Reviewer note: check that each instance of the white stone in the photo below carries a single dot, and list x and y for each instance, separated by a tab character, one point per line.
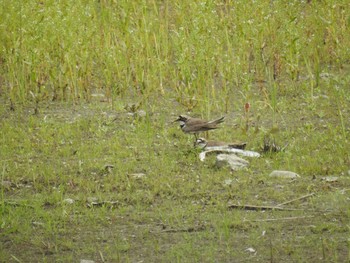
141	113
232	160
217	150
284	174
68	201
92	199
330	179
228	182
138	175
251	250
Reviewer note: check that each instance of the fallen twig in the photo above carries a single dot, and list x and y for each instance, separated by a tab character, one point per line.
16	259
256	207
279	219
101	255
189	229
296	199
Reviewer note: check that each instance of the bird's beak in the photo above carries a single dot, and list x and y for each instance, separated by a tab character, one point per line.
178	119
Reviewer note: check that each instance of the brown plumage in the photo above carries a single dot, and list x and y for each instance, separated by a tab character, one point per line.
196	125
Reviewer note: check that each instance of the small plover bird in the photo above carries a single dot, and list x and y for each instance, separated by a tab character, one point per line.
196	125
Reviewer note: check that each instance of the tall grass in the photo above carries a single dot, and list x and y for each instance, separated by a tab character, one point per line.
195	52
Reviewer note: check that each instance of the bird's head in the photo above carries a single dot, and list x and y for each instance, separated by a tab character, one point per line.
201	143
182	118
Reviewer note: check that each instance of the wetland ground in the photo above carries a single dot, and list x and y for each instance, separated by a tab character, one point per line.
92	167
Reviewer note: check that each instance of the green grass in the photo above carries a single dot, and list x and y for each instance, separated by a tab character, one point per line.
179	210
68	72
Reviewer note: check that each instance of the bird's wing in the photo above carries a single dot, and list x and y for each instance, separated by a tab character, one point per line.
199	127
217	121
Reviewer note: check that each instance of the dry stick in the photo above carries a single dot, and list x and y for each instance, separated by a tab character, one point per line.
256	207
296	199
279	219
16	259
101	255
190	229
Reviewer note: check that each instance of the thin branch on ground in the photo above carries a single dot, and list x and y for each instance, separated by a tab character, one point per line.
296	199
101	255
257	207
189	229
279	219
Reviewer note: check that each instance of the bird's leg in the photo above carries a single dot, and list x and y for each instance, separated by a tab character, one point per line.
195	138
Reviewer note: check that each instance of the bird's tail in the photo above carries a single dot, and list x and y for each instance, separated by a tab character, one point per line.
222	119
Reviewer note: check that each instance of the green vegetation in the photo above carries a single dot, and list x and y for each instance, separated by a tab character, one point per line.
84	175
